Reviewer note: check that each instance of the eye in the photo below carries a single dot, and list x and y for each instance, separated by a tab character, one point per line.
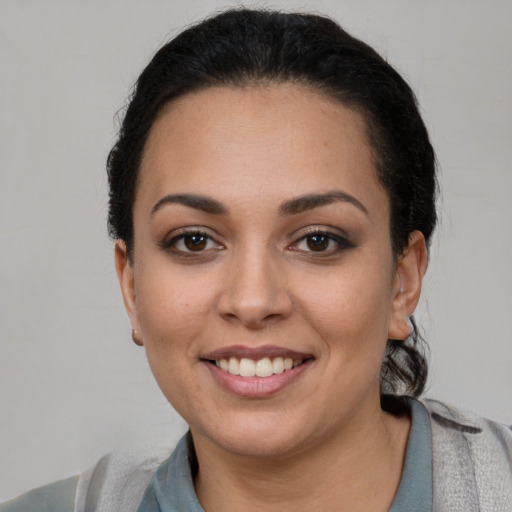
194	242
188	242
321	242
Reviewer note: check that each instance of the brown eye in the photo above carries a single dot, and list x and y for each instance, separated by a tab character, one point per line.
191	243
322	243
318	242
195	242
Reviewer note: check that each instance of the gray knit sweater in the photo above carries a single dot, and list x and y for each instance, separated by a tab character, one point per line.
472	461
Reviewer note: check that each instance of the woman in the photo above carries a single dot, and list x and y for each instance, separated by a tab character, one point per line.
272	198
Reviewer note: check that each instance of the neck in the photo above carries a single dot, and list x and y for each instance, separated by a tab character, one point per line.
357	469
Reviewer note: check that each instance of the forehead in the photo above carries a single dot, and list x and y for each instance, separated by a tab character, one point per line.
269	139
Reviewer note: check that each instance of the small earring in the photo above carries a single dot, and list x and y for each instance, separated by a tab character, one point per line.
136	339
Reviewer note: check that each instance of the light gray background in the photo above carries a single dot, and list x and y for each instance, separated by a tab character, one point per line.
73	386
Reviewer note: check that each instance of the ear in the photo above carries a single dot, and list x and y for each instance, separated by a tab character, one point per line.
125	275
410	269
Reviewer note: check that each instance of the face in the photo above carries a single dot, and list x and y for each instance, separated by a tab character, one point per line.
263	283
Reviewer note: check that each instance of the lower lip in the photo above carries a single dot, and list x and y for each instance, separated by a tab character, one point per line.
257	387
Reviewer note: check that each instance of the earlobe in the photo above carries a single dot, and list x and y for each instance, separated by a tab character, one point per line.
125	276
411	267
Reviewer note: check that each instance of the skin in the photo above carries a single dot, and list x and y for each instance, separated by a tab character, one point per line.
322	442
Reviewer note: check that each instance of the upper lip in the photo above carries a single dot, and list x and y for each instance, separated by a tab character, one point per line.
255	353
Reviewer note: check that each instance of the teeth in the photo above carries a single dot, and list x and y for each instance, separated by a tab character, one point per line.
264	367
278	365
247	368
233	366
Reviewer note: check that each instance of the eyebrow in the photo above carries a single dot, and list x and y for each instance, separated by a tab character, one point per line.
291	207
203	203
309	201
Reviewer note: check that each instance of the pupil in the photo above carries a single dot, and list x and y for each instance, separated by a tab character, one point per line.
318	242
195	242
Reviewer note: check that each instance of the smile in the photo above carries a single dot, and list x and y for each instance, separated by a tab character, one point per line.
263	367
256	372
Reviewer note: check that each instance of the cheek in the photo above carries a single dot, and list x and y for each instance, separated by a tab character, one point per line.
172	308
351	317
349	307
174	314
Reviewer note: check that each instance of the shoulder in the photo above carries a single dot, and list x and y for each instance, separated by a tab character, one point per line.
118	481
441	411
472	460
56	497
449	423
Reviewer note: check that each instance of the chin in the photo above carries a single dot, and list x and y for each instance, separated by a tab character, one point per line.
256	436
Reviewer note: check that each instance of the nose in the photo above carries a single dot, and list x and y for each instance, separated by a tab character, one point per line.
255	292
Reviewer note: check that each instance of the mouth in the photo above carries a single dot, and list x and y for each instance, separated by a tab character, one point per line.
263	367
256	372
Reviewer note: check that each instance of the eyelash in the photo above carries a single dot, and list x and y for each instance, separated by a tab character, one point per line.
341	242
172	243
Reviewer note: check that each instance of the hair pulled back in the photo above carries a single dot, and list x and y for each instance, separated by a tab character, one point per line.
241	47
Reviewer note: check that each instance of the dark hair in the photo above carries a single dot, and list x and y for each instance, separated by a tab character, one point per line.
239	47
